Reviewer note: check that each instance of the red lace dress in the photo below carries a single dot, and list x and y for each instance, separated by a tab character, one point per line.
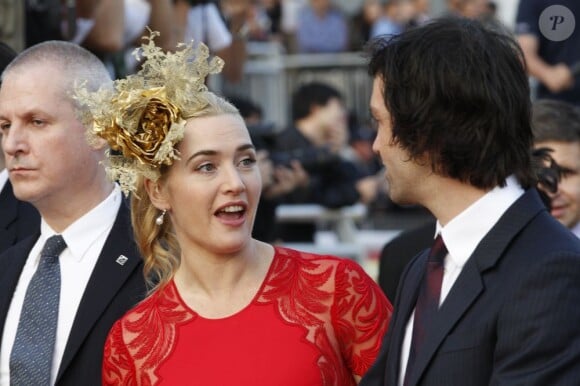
316	320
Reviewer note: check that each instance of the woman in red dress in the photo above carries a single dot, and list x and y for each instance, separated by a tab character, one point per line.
224	309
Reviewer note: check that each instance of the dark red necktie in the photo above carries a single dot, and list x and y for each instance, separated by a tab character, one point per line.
427	301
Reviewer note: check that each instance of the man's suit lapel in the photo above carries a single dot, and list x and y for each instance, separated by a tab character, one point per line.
454	306
469	284
12	262
107	278
404	306
9	214
18	219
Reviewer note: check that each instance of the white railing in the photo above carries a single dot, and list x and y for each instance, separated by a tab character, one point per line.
343	220
271	76
338	232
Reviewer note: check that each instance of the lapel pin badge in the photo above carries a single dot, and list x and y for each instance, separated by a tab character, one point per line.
121	260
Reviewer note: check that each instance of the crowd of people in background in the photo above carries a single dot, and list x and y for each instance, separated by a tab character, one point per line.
113	28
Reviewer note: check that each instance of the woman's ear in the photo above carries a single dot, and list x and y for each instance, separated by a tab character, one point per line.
156	194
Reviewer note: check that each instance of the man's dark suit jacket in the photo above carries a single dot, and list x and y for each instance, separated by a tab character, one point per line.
397	253
18	219
113	289
511	318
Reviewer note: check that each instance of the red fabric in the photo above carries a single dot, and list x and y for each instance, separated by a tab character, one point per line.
316	320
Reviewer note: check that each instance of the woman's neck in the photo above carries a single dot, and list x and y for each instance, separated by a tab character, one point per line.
218	286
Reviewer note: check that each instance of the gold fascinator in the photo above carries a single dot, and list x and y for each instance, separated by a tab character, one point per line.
142	117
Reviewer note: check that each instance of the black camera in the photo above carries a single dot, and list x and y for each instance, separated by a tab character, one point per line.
575	69
312	159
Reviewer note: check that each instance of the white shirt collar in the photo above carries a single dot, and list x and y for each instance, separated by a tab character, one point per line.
466	230
80	235
576	230
3	178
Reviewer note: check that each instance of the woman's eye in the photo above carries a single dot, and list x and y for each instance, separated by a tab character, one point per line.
206	168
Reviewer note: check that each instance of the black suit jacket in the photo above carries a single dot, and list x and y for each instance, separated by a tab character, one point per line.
397	253
18	219
111	291
511	318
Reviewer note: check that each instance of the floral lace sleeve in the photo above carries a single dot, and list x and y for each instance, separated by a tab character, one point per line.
118	366
143	339
360	314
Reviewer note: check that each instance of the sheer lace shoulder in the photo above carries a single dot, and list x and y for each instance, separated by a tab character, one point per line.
360	313
343	309
143	338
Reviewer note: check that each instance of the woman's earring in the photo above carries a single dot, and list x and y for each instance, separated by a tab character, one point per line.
159	220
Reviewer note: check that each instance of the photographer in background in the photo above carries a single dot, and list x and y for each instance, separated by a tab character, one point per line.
277	180
556	126
317	138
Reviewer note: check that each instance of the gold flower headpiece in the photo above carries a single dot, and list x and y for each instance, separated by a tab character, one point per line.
142	116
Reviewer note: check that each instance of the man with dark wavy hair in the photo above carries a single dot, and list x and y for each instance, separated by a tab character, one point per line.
496	299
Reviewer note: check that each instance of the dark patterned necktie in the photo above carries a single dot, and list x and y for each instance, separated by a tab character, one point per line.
31	357
427	301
